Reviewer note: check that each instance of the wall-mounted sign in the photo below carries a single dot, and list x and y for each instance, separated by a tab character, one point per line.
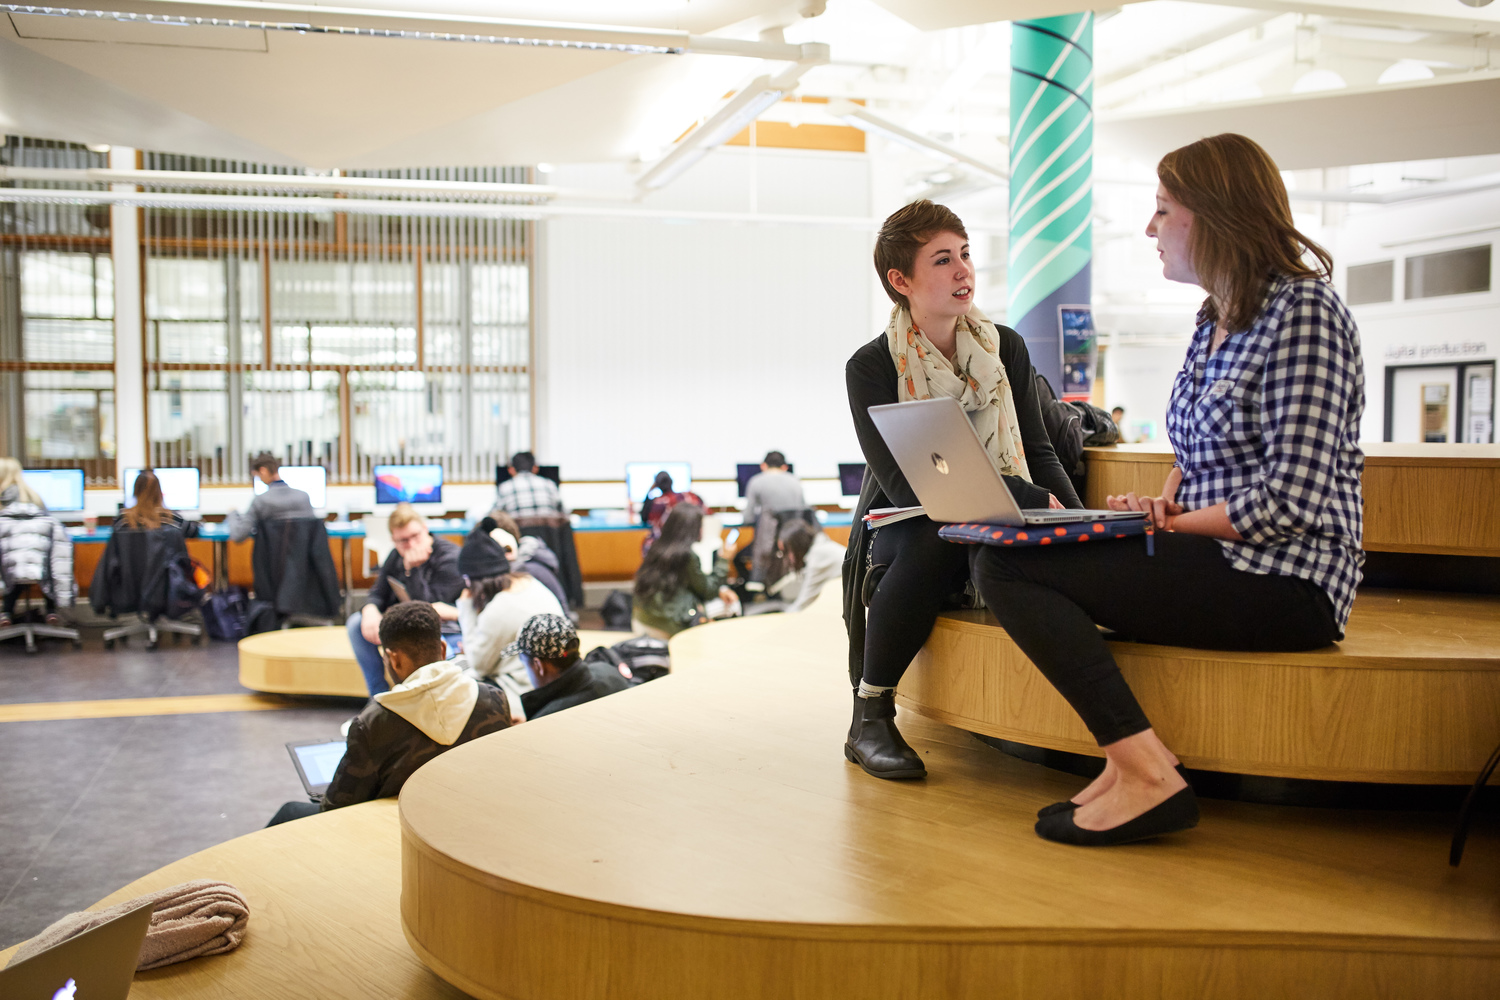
1080	351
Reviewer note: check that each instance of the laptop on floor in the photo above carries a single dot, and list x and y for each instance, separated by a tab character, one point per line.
316	761
955	478
98	964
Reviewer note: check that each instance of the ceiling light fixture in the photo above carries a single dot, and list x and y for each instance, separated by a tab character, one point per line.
742	109
420	26
868	121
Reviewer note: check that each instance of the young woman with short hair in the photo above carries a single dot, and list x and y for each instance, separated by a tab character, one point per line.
1259	525
935	344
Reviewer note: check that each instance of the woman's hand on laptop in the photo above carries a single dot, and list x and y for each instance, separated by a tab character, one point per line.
1053	503
1158	510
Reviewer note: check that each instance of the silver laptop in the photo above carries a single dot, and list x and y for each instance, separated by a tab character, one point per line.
952	474
316	762
98	964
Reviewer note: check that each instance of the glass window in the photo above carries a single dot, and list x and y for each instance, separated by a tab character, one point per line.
1372	282
1452	272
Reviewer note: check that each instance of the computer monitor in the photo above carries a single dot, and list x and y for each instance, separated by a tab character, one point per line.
851	478
502	473
60	489
641	476
310	479
408	484
745	471
179	487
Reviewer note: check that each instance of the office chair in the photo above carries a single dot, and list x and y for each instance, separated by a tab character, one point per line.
152	630
32	629
132	576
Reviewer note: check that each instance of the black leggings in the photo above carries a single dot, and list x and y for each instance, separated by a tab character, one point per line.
1050	599
924	570
13	597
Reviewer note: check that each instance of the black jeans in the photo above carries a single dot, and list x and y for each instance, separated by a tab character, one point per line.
1049	600
294	810
924	570
13	597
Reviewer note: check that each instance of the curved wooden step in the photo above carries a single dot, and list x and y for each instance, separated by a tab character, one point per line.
702	836
1411	695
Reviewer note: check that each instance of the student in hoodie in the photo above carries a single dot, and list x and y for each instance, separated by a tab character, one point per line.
432	705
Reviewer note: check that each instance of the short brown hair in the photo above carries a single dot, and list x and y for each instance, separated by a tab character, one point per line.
903	234
1242	224
265	460
403	515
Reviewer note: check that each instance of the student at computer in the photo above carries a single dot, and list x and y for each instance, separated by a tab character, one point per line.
936	344
34	548
149	511
431	706
526	494
497	600
1260	522
420	567
280	501
671	587
771	490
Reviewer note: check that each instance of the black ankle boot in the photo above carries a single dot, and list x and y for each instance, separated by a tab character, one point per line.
875	743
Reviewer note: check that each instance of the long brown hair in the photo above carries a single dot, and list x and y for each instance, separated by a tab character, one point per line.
1242	224
664	569
147	512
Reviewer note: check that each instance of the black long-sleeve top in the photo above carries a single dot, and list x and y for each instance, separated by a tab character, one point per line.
871	379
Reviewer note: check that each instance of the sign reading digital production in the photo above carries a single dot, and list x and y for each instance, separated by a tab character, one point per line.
1080	351
1436	352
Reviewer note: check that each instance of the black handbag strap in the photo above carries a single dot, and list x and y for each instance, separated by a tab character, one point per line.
1466	814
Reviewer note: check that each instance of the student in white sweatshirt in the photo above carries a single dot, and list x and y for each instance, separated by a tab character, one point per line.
496	602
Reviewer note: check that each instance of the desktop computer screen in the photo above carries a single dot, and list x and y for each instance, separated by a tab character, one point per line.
745	471
851	477
640	476
179	487
60	489
310	479
408	484
502	473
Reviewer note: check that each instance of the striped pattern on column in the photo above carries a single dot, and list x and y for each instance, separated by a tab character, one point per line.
1051	180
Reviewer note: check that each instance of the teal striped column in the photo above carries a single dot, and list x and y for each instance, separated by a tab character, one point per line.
1051	180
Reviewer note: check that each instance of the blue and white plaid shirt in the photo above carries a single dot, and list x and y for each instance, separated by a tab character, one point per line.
1270	423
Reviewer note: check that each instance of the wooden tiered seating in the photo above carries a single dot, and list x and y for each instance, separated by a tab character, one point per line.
1412	694
702	836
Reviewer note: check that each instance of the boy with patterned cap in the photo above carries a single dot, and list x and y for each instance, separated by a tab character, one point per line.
548	645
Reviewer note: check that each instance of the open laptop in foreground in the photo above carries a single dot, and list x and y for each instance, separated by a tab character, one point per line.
316	761
952	474
98	964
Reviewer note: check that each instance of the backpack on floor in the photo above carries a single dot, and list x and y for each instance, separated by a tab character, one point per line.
226	614
183	593
616	611
644	658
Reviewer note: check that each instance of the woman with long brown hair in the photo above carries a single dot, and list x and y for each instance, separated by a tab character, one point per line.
1259	524
148	512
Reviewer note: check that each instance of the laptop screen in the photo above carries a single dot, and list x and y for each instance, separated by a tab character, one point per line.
320	760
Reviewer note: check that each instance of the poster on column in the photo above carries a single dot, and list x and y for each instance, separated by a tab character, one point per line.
1080	350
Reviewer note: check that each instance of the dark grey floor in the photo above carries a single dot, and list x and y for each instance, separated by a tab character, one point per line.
89	805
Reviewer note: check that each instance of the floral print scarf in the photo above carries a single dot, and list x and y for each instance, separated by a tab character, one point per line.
976	378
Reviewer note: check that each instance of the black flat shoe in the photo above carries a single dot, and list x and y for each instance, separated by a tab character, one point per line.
1180	812
876	745
1067	805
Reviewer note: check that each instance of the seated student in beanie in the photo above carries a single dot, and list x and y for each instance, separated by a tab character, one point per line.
496	602
432	705
548	646
279	502
526	494
426	567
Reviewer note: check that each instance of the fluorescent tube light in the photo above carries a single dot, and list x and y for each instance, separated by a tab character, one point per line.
868	121
744	108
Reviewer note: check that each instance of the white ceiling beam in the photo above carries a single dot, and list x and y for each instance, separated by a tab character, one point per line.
1432	119
1431	15
866	120
1185	47
987	56
1194	65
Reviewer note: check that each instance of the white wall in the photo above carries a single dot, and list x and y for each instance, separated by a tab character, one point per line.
1423	331
710	343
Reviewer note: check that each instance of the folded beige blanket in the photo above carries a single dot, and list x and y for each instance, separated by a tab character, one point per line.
195	918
